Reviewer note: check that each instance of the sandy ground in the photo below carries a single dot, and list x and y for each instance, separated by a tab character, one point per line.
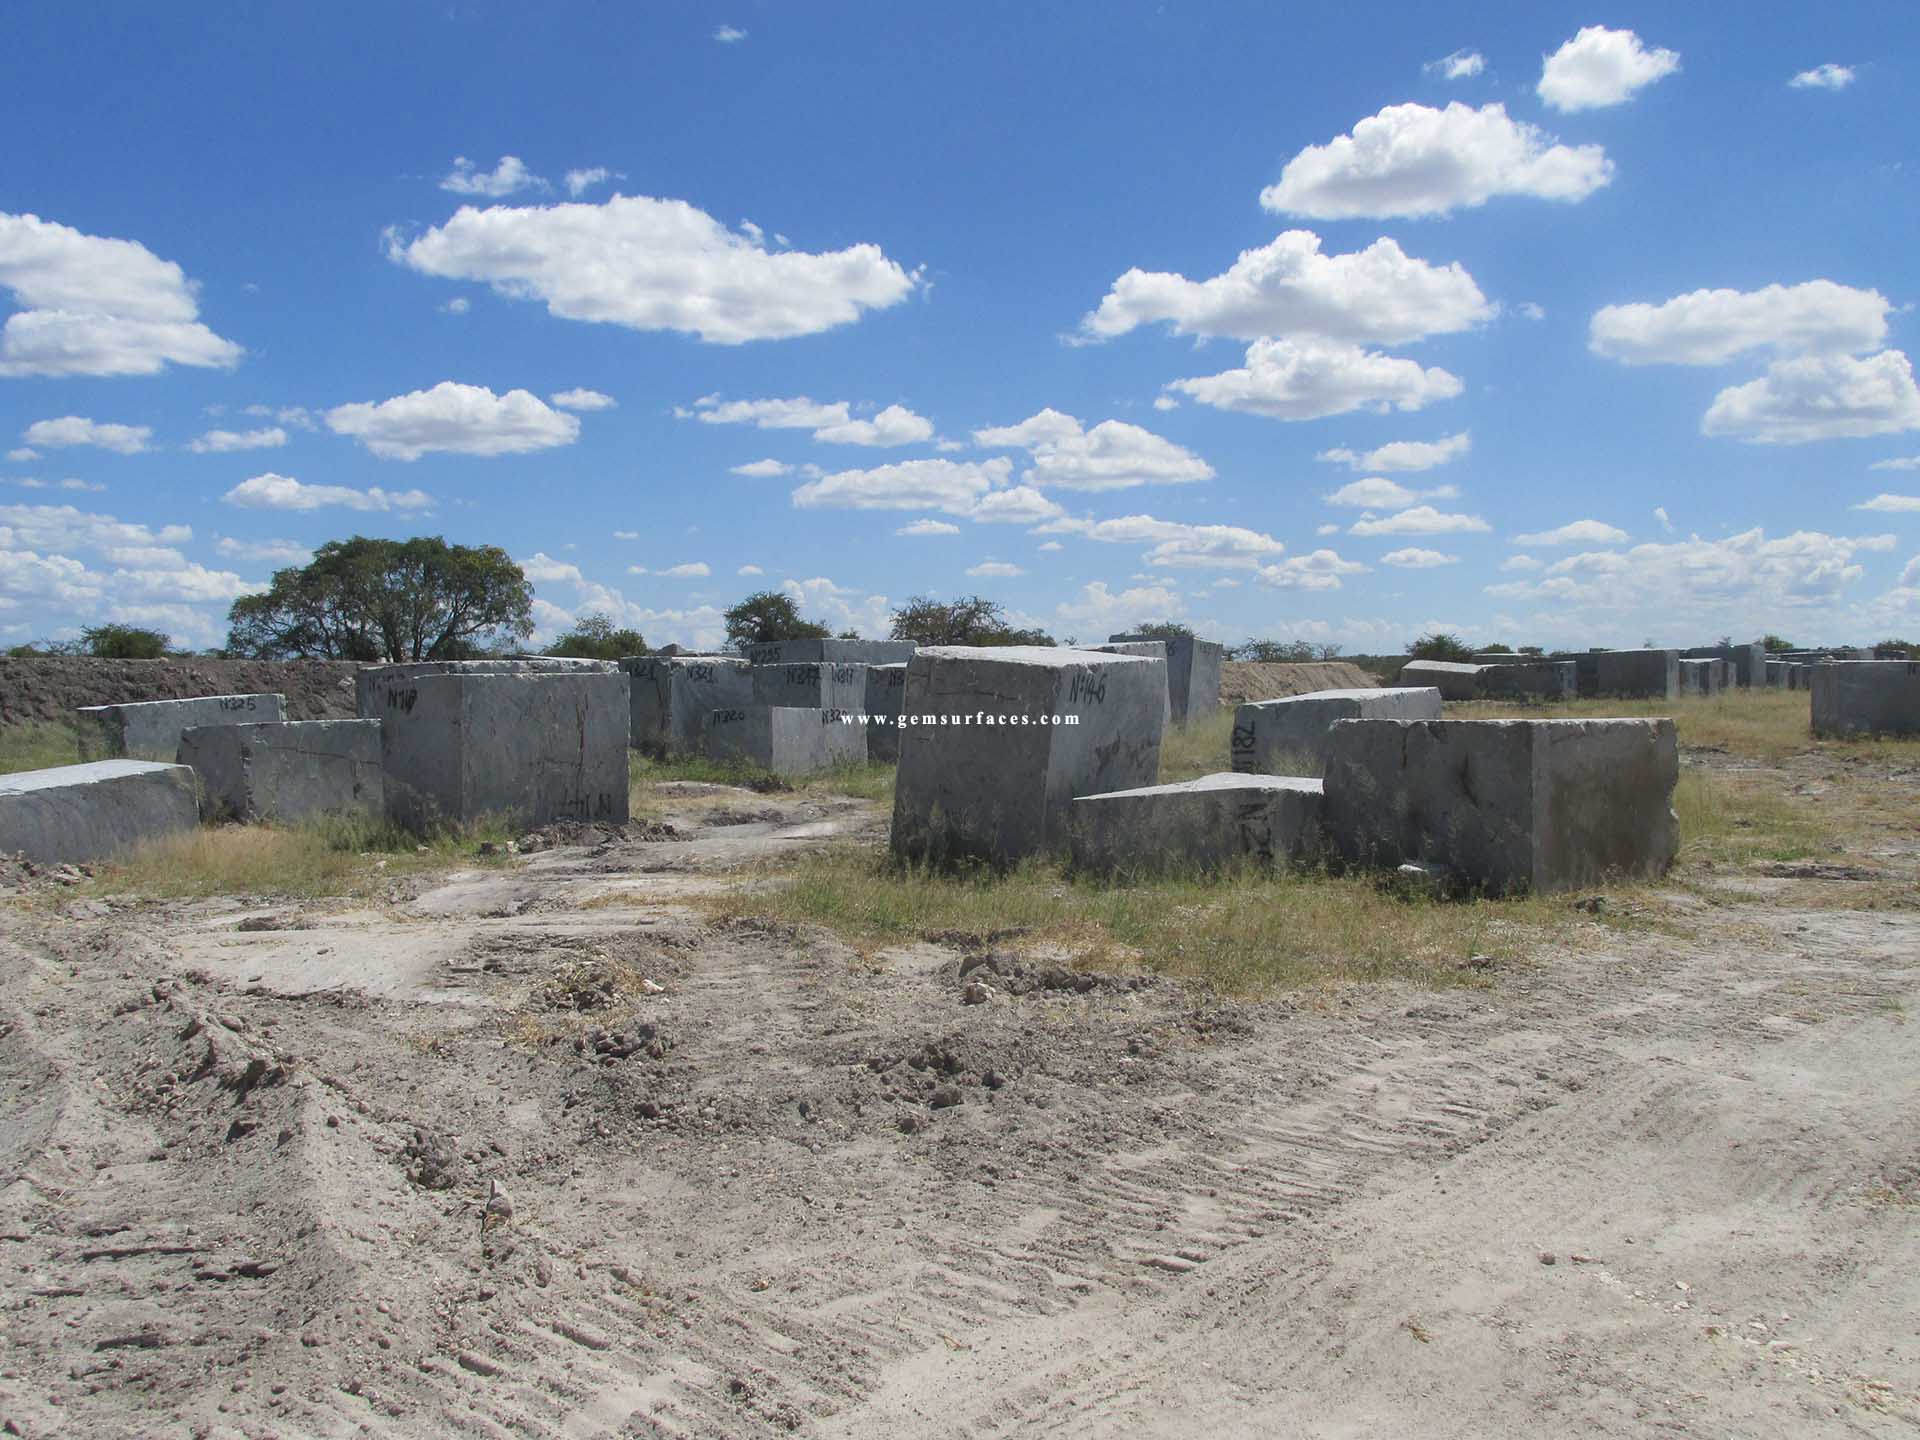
327	1178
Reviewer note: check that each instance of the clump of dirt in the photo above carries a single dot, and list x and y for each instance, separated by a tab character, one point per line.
590	835
1011	974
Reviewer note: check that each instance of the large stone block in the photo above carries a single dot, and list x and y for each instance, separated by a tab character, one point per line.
1749	662
74	813
1001	740
1586	670
1146	650
787	740
537	745
1702	677
151	729
1528	680
1454	681
288	771
830	652
1198	825
1637	674
1193	675
1289	736
1866	697
1504	806
814	685
886	693
372	683
673	696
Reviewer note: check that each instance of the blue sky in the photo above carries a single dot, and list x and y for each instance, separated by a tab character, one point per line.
1539	323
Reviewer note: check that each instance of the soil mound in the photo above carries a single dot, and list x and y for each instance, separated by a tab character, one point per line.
1245	680
51	688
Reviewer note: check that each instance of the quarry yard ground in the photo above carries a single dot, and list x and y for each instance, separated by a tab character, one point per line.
1534	1168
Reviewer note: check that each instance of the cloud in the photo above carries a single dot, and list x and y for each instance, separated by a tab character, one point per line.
928	527
505	178
265	552
692	570
77	430
1324	530
458	419
1707	327
1175	545
1823	77
1376	493
953	487
1308	379
1020	505
1112	456
83	485
1050	546
1601	67
831	422
1403	455
729	35
1099	611
90	305
1319	570
1577	532
283	492
1892	504
1904	462
1666	521
994	570
1413	160
1421	520
895	425
1516	563
650	264
749	570
62	527
297	416
459	305
1379	295
583	400
21	455
1415	559
222	442
1532	311
763	469
578	182
1819	397
1460	65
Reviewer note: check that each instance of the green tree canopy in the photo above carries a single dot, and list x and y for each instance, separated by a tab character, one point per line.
766	616
1773	643
593	637
123	642
1162	630
970	620
1439	646
361	599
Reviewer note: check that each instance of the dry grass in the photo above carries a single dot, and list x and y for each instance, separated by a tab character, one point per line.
1198	749
861	782
39	746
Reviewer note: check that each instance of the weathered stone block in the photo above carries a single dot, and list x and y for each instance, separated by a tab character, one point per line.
1001	740
372	683
1637	674
1146	650
1701	677
1749	662
886	693
1454	681
1866	697
1505	805
151	729
1289	736
1199	825
787	740
1528	680
74	813
810	686
537	745
672	696
830	652
290	770
1193	675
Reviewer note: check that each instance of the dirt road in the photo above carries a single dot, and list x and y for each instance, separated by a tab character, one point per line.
349	1174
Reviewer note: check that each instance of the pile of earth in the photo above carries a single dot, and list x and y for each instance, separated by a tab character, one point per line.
1245	680
39	689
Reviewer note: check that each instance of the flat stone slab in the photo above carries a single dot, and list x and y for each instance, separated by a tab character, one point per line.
672	696
790	741
1866	697
151	729
75	813
290	771
1748	662
1001	740
1289	736
1198	825
1528	679
1505	806
1637	674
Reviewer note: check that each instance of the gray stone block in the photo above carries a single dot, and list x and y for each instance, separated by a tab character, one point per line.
788	740
1193	675
1198	825
1637	674
1001	740
1289	736
371	683
1749	662
1866	697
815	685
536	745
288	771
1146	650
1586	670
1454	681
886	693
830	652
151	729
74	813
673	696
1529	680
1701	677
1504	806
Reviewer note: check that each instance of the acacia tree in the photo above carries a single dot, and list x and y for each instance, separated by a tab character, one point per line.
970	620
595	637
767	616
362	599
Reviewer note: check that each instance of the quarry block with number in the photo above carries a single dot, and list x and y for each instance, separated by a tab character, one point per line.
790	741
1289	736
672	696
151	729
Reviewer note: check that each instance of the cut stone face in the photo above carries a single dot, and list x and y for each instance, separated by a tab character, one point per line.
1637	674
1193	674
150	729
1146	650
1198	825
811	685
75	813
886	690
673	696
1000	741
371	678
1866	697
1289	736
288	771
832	652
787	740
535	745
1453	680
1749	662
1505	806
1528	680
1701	677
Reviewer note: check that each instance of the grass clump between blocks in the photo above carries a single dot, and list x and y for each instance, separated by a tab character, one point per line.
40	745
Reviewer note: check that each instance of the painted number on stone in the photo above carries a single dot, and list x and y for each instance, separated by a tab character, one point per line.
764	655
1087	687
728	717
705	673
1241	742
402	700
237	702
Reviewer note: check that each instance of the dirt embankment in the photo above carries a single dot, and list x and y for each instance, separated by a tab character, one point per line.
52	688
1245	680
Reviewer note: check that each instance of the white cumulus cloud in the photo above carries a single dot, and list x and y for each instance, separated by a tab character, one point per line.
729	35
1113	455
506	178
222	442
1416	559
928	527
458	419
953	487
1707	327
283	492
1600	67
1379	493
1460	65
1819	397
763	469
1421	520
1413	160
1577	532
583	399
652	264
1400	456
1308	379
1823	77
1892	504
78	430
994	570
578	182
266	552
832	422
